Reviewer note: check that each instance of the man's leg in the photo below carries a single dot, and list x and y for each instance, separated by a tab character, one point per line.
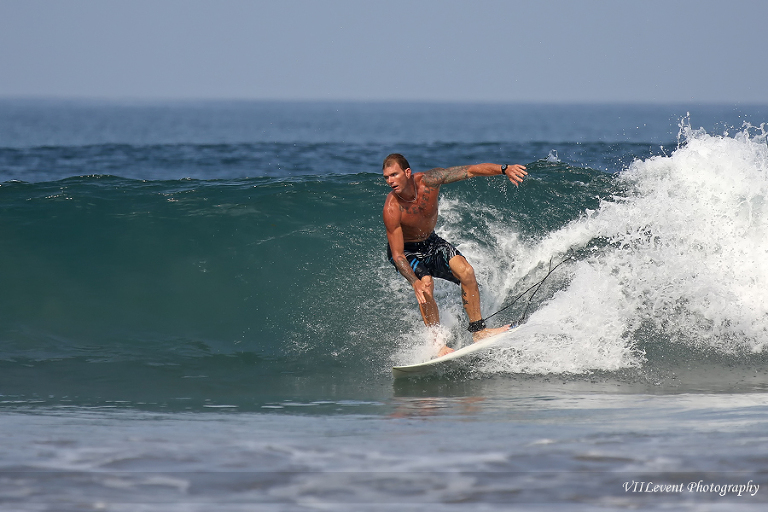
470	295
429	311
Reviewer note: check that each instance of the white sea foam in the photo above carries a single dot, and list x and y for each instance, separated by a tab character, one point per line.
686	252
683	251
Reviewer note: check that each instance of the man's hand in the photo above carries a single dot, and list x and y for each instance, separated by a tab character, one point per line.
516	173
421	290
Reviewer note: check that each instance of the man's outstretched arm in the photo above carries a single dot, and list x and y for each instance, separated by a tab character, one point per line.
440	176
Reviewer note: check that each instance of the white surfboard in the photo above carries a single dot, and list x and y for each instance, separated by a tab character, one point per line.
454	358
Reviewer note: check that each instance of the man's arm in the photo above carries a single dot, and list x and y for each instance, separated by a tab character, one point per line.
396	244
395	239
439	176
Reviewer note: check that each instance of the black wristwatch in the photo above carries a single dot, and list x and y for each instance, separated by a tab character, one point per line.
504	169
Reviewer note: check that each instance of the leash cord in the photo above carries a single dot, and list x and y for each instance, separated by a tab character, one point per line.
537	286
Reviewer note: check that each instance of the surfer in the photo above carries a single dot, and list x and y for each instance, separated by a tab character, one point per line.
410	216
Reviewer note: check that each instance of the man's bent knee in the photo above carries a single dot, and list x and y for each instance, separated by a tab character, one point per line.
462	270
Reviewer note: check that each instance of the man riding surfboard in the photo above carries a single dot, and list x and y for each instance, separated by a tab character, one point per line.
410	215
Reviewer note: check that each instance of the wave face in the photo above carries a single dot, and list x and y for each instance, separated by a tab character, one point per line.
125	280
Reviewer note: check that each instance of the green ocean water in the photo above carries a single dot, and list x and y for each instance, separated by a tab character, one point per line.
256	278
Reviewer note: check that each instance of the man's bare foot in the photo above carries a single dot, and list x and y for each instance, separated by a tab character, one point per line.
445	350
487	333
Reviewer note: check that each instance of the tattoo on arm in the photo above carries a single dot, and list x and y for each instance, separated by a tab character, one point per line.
440	176
402	265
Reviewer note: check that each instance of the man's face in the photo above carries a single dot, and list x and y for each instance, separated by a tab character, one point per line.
397	178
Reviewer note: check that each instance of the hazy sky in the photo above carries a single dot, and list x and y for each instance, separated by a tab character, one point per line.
445	50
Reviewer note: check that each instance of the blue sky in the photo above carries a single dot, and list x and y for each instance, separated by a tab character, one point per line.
657	51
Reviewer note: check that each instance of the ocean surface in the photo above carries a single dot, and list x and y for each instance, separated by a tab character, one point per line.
196	312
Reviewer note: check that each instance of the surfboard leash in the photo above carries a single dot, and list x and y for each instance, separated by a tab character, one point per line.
537	286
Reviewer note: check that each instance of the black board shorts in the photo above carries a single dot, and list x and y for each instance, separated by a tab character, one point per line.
429	257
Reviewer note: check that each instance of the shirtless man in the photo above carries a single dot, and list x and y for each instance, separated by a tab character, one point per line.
410	216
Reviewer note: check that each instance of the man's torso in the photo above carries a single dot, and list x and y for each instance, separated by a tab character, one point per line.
418	219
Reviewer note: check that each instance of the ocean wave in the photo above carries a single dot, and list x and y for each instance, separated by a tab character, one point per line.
184	277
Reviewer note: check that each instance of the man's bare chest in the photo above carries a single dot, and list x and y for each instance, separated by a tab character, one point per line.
421	214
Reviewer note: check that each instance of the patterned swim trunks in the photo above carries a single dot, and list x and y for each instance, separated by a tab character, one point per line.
429	257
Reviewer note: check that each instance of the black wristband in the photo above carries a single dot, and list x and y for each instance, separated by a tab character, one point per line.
504	170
